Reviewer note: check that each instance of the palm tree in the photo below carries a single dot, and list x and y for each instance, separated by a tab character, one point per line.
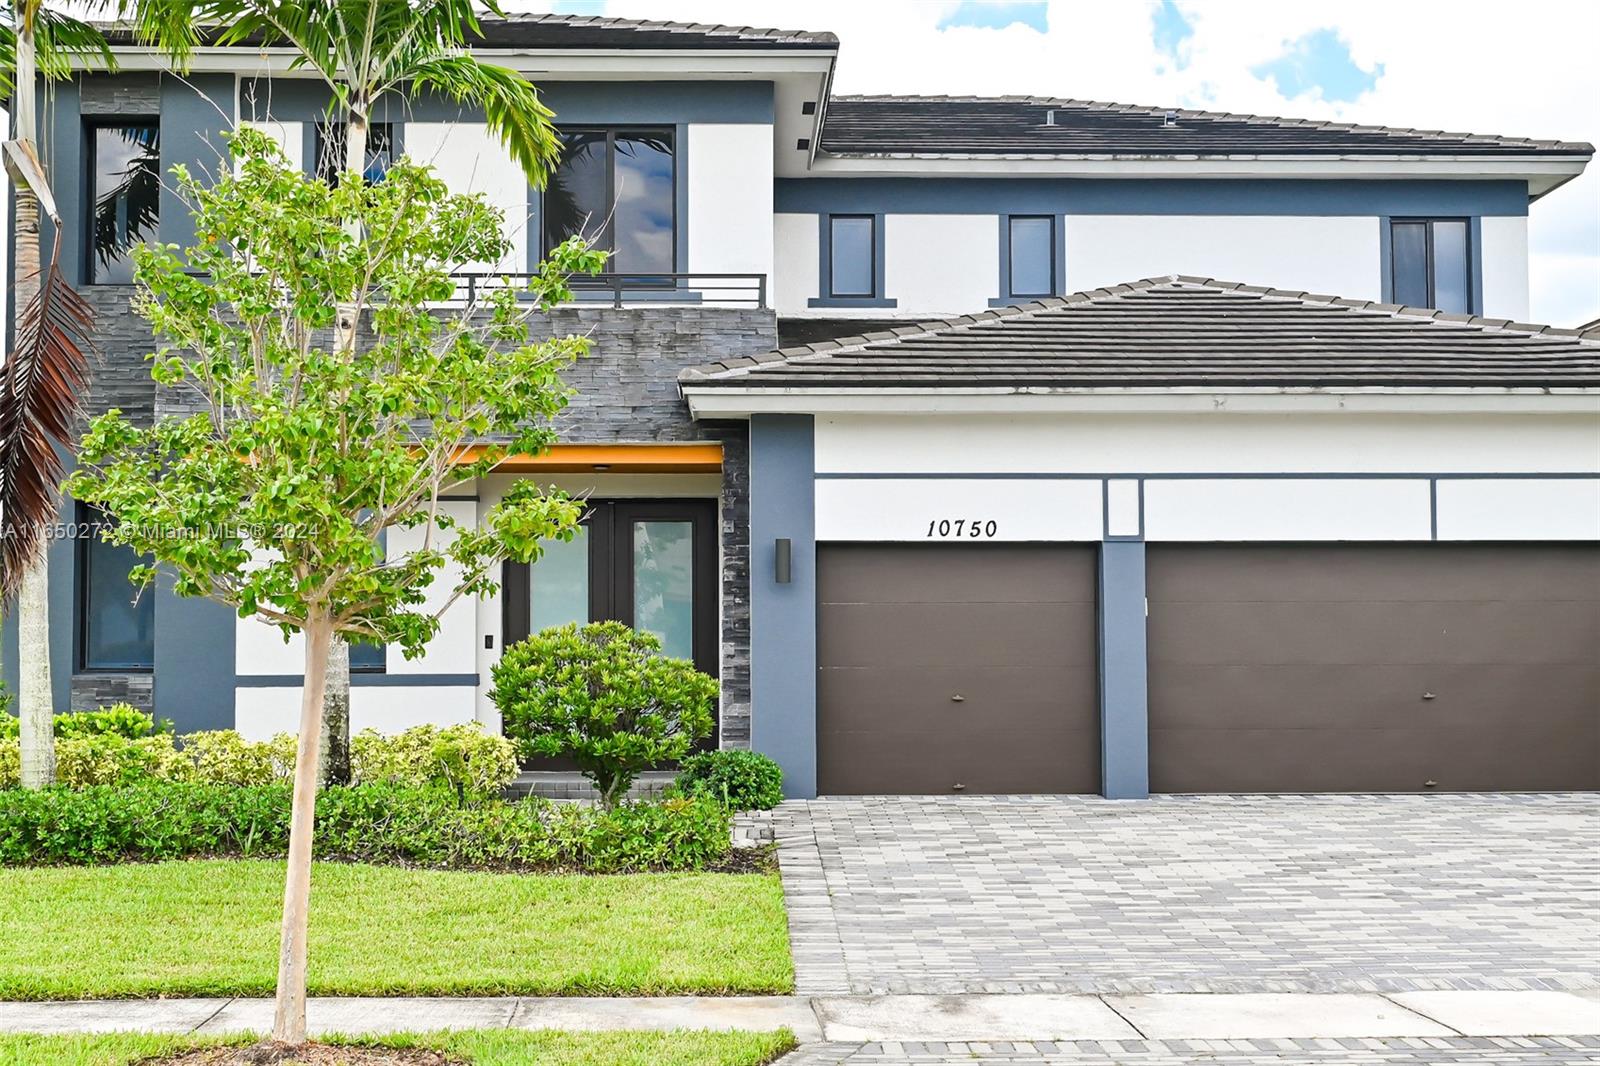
364	50
45	371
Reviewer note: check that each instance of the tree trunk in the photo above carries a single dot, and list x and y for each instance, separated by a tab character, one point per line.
35	701
336	716
289	1020
35	704
355	139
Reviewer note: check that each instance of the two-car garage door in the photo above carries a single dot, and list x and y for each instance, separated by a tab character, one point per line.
1293	668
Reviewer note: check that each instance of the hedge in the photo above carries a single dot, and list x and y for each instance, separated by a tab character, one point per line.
376	823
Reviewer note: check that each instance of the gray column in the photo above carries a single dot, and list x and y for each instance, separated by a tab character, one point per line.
783	617
194	662
1124	720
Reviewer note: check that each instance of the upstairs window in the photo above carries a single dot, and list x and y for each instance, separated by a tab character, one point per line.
331	151
125	168
116	621
852	255
1430	264
617	189
1033	255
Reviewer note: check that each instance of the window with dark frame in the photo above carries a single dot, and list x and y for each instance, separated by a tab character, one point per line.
1431	263
367	657
852	256
125	196
116	619
617	188
330	151
1032	262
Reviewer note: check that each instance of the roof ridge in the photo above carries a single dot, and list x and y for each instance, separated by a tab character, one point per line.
739	365
1215	116
620	22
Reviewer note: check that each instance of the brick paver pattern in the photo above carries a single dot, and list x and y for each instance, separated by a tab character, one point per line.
1454	1051
1193	893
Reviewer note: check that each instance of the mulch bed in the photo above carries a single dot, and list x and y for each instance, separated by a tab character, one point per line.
274	1054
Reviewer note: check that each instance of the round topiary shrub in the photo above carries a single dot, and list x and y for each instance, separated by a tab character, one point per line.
739	780
604	696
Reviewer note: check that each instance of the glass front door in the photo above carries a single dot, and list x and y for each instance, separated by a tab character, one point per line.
651	564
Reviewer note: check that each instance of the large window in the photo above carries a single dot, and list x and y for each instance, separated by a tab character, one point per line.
1032	260
125	177
331	151
852	255
1431	263
616	188
116	621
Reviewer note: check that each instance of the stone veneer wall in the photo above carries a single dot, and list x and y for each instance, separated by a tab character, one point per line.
627	391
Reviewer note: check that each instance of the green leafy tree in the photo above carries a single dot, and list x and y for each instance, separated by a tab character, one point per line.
604	696
311	443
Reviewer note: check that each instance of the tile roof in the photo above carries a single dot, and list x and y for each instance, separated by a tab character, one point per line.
1180	331
1023	125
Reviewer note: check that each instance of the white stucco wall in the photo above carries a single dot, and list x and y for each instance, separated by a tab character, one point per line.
941	264
470	159
1505	266
289	136
1337	256
796	244
730	226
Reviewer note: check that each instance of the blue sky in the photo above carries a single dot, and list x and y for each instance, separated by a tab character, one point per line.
997	15
1319	62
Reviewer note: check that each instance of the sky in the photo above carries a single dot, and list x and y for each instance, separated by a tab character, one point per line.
1522	69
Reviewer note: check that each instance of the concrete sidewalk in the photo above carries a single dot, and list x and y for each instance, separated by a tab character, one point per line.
868	1019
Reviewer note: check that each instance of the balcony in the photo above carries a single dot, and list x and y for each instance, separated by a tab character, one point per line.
632	290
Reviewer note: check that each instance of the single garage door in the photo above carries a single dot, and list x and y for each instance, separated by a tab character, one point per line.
956	668
1383	668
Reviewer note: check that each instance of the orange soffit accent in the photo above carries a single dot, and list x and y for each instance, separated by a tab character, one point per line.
620	458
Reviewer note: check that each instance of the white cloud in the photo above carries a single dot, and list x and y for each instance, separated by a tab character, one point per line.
1481	66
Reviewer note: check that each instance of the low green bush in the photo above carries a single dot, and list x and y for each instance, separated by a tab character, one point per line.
461	758
361	823
117	719
739	780
225	757
604	696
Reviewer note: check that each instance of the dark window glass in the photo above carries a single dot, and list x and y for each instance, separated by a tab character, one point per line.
126	168
116	621
1452	285
1032	256
366	658
1431	264
850	255
617	189
331	151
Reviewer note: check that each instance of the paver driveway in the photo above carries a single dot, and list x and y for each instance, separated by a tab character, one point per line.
1205	893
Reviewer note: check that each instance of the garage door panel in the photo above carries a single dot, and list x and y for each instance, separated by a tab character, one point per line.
1368	632
904	628
1352	572
1264	696
988	634
1302	668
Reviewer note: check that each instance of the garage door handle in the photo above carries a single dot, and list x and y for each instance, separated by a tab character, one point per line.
958	698
1429	696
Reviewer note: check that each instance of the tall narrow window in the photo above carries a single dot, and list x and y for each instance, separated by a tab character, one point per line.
851	256
1033	255
116	621
369	657
1430	263
125	164
331	151
617	189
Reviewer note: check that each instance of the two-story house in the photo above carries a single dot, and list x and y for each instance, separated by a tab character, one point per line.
884	429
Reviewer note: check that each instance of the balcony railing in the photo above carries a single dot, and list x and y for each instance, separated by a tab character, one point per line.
634	290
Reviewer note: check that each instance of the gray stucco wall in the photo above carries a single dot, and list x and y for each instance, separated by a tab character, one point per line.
1124	726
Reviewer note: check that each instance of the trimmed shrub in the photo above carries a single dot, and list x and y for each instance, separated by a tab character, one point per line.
109	759
361	823
117	719
461	758
224	757
604	696
739	780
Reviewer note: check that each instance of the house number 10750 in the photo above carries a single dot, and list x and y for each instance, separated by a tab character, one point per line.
972	528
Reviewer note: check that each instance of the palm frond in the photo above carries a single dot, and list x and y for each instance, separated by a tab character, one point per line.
172	26
41	385
59	40
511	107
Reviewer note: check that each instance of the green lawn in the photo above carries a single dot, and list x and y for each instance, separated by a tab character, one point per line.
481	1048
211	929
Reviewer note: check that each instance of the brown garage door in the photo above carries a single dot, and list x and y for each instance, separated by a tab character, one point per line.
1382	668
956	668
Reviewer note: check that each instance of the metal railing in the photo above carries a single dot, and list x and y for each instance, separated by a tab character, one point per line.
632	290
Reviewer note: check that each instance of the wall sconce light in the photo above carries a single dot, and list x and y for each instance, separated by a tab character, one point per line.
782	561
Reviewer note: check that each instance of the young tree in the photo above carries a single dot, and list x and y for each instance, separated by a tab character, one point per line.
363	50
275	499
45	372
